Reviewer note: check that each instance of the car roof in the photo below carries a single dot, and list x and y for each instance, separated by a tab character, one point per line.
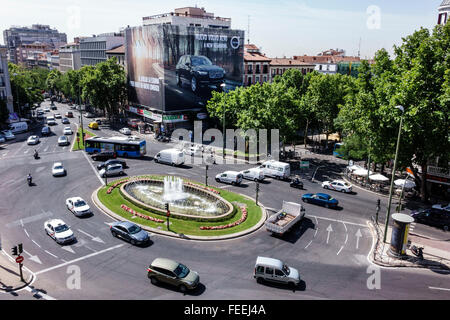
57	164
269	262
323	195
75	199
56	222
167	264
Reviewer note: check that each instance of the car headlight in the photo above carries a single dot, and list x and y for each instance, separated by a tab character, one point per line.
202	73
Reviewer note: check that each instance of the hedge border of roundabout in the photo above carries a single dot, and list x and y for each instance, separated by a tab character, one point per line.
183	228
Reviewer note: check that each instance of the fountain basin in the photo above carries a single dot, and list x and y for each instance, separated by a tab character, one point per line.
186	201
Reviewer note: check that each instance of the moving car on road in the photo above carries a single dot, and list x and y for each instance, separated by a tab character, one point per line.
129	232
432	217
112	170
104	155
8	135
199	72
93	125
46	131
338	185
274	270
233	177
33	140
78	206
57	116
67	130
253	174
125	131
276	169
321	199
65	121
442	207
58	169
110	162
59	231
63	141
173	157
173	273
69	114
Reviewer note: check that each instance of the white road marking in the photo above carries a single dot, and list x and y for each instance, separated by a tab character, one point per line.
45	150
346	238
317	229
329	229
21	223
435	288
97	239
36	243
26	232
347	222
344	226
68	248
29	219
340	250
92	166
50	254
26	151
78	259
308	244
39	293
358	235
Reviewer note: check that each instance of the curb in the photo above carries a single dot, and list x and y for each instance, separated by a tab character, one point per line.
115	216
24	284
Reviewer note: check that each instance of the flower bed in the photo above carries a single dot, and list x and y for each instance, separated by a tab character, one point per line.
143	216
110	189
230	225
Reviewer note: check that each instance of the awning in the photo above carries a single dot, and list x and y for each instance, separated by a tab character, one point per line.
362	172
378	177
407	183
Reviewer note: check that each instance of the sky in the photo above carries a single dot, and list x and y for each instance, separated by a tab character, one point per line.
279	28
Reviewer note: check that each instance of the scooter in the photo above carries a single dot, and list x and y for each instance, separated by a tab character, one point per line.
30	181
296	183
36	155
417	251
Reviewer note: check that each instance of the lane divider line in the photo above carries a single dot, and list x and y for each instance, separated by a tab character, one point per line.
36	243
51	254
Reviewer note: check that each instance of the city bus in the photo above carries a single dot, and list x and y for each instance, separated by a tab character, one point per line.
123	146
336	153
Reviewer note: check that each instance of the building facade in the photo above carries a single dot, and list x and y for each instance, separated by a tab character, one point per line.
69	57
93	49
119	54
5	85
444	12
189	16
256	66
16	37
278	66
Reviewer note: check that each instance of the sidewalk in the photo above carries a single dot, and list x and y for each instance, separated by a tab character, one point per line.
10	276
436	253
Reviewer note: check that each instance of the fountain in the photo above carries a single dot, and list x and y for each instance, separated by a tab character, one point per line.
186	200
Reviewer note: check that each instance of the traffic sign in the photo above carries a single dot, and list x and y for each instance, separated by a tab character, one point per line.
19	259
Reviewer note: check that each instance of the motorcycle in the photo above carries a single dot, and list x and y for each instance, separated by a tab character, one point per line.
30	180
296	183
417	251
36	155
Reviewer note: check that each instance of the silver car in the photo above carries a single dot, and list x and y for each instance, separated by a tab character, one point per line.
63	141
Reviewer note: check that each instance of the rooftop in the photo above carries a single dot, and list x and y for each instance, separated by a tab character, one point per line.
288	61
117	50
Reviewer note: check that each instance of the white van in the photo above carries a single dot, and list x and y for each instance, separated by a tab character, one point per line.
17	127
51	120
276	169
254	174
233	177
173	157
274	270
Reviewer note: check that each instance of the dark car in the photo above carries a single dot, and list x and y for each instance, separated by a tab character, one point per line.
199	72
321	199
296	183
111	161
53	107
129	232
46	131
65	120
432	217
104	155
173	273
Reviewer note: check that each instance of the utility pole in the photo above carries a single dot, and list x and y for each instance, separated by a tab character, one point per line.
257	191
168	215
206	176
378	210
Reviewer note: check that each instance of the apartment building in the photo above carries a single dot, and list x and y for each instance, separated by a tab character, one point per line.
5	85
256	66
70	57
444	12
93	49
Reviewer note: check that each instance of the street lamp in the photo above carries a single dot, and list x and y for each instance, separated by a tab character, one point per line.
223	85
206	175
393	173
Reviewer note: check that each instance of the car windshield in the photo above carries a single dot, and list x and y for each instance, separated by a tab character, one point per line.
286	269
61	228
134	229
80	203
58	167
200	61
181	271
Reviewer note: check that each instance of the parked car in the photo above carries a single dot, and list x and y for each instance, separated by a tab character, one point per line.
104	155
253	174
78	206
69	114
129	232
59	231
173	157
63	141
110	162
125	131
58	169
112	170
432	217
65	121
2	138
18	127
233	177
33	140
338	185
441	207
173	273
57	116
321	199
8	135
199	72
93	125
67	130
274	270
46	131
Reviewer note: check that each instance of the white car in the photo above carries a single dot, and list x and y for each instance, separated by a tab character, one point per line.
338	185
46	109
8	134
57	116
58	169
59	231
67	130
78	206
125	131
63	141
33	140
254	174
112	170
233	177
193	151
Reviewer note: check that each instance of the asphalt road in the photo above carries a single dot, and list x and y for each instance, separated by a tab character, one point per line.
325	248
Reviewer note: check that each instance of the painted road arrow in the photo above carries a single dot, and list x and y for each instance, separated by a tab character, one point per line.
68	248
358	235
97	239
33	258
329	229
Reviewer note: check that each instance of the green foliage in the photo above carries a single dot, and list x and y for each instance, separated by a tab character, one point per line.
4	112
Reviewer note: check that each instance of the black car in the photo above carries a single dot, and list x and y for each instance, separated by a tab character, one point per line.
111	161
53	107
199	72
46	131
431	217
104	155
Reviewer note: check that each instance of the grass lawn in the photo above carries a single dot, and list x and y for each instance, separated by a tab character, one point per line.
80	145
114	200
239	153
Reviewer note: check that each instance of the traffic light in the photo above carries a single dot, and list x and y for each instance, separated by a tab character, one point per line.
378	203
20	247
167	207
14	251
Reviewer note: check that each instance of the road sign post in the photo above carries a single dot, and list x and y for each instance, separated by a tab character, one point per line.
257	192
19	260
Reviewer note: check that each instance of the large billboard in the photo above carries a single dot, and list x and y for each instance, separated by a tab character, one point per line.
175	68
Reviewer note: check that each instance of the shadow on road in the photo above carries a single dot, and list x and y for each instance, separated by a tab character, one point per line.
297	230
300	287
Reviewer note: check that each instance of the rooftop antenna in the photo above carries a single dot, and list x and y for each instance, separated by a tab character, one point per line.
248	30
359	48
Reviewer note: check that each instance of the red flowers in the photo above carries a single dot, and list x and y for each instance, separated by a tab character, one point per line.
238	222
143	216
110	189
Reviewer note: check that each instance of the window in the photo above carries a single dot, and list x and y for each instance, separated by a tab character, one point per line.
257	79
260	269
250	68
265	69
269	271
249	81
257	69
279	273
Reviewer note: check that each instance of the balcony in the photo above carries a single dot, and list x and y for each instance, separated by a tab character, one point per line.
173	14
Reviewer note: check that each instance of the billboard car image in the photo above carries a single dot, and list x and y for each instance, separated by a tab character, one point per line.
182	65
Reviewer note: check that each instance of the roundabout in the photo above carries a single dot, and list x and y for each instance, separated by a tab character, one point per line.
195	210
